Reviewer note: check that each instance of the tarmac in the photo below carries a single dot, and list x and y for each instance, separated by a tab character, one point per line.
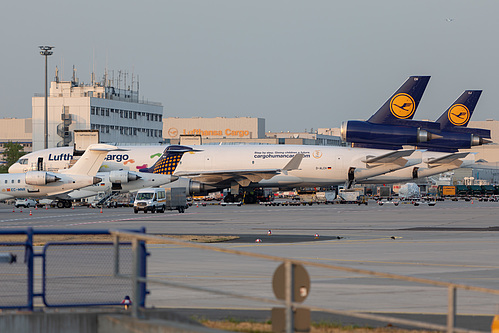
451	242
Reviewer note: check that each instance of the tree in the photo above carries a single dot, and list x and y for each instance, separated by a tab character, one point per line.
12	152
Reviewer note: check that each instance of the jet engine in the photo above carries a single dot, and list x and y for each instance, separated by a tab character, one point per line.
40	178
191	186
122	176
365	132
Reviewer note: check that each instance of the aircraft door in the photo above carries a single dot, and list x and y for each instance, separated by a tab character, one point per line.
39	164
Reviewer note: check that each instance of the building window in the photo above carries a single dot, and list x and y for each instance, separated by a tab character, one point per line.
102	111
134	115
92	110
107	112
121	113
160	116
147	116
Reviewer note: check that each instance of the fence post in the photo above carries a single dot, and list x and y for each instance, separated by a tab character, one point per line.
116	243
288	292
135	275
451	309
28	259
143	269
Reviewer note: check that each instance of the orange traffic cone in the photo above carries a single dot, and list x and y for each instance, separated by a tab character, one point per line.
30	212
13	210
46	207
101	209
72	207
36	207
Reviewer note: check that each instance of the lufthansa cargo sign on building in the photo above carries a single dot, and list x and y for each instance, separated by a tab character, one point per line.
219	127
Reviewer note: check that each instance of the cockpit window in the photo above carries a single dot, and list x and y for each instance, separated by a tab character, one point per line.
23	161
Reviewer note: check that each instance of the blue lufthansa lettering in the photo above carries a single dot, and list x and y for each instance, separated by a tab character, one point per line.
60	157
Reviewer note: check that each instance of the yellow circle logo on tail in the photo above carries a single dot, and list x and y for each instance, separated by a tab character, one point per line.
402	106
458	114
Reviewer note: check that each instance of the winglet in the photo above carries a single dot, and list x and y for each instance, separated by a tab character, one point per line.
90	162
294	163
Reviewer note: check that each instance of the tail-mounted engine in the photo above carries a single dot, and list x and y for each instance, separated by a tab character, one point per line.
40	178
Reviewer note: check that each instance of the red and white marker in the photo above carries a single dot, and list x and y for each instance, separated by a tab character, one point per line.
258	240
316	236
269	232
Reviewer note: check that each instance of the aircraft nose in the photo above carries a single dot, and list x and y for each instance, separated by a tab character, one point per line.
97	180
13	168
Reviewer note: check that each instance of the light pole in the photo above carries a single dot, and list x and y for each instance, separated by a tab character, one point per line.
46	51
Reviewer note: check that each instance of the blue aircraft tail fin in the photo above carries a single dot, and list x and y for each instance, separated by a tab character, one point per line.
459	113
403	103
169	160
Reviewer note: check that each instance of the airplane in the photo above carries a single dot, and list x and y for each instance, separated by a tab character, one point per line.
36	184
283	166
448	134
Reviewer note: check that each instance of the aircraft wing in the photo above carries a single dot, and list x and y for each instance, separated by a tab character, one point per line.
242	177
4	196
446	159
396	157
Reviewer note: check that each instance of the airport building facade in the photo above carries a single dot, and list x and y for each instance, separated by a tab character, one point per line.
17	131
118	114
238	130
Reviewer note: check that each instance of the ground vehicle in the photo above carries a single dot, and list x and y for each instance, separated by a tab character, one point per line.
150	199
176	199
25	203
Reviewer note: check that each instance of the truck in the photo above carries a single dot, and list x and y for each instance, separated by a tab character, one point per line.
352	196
326	197
176	199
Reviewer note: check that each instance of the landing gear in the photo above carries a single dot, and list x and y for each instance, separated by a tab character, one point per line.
64	204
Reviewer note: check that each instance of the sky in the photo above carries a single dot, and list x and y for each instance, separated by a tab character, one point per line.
301	65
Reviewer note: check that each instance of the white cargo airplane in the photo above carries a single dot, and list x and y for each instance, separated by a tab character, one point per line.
36	184
242	165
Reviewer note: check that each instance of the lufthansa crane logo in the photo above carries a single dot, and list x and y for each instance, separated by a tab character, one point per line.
172	132
458	114
317	154
402	106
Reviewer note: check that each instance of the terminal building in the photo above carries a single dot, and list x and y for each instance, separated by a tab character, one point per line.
238	130
116	112
18	131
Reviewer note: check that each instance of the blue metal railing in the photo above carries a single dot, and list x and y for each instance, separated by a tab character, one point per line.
29	261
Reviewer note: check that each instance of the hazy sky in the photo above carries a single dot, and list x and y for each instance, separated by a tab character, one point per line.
298	64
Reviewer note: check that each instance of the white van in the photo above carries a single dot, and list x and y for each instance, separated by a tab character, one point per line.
151	199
